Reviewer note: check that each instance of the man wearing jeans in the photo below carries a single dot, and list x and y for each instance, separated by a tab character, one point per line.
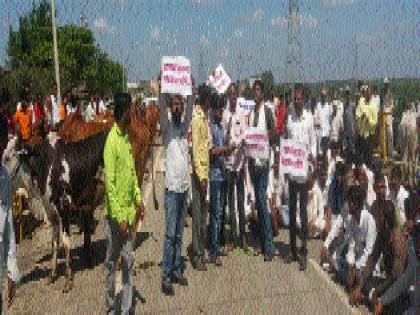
219	151
300	127
200	175
122	198
175	133
234	124
262	118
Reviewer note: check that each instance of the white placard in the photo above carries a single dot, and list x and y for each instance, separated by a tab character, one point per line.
219	79
256	141
293	158
247	105
176	75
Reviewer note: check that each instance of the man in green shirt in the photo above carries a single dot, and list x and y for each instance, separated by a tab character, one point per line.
124	206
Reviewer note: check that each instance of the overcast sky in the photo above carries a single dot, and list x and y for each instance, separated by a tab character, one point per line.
246	36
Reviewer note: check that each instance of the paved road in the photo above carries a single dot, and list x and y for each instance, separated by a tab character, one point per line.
243	285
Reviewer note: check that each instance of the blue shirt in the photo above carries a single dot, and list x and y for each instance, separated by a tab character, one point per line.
335	197
217	164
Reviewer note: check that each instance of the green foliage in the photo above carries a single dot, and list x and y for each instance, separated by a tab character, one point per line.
30	50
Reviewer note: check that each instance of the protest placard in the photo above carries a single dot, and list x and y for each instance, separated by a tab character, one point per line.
293	158
176	75
256	142
219	79
247	105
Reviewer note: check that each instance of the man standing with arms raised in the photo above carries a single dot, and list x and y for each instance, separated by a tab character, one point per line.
175	133
300	128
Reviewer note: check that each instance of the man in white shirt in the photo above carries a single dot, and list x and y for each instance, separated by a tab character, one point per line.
90	111
398	195
363	181
102	107
300	127
336	131
323	114
262	118
317	201
234	125
337	103
376	99
362	235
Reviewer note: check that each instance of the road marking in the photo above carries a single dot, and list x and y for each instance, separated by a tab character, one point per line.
341	295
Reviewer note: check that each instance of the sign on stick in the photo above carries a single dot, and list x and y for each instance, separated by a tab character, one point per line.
219	79
176	75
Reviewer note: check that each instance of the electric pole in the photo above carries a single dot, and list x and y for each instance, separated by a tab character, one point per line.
294	45
56	64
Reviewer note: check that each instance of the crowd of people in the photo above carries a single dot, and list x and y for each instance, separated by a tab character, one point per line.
365	215
367	219
33	112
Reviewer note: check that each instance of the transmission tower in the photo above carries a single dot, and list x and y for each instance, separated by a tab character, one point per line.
294	62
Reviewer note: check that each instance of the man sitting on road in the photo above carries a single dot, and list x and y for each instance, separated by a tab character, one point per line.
410	278
390	243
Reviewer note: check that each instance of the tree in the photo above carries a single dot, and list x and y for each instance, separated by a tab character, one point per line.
30	50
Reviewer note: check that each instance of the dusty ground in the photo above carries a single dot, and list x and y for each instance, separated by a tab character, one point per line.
244	284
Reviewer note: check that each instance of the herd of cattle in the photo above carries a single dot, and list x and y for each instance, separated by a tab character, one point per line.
63	173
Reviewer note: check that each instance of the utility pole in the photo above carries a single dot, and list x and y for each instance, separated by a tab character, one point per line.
294	45
56	64
121	47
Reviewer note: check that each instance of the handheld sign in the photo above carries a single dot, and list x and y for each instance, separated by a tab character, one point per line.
247	105
220	80
176	75
256	141
294	158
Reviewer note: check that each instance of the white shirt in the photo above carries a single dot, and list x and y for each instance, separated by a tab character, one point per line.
323	114
237	134
55	112
302	129
398	201
377	101
90	113
261	124
362	236
331	166
340	106
371	195
341	222
317	199
102	107
336	125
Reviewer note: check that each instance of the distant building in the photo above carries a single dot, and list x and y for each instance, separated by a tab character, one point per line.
143	89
